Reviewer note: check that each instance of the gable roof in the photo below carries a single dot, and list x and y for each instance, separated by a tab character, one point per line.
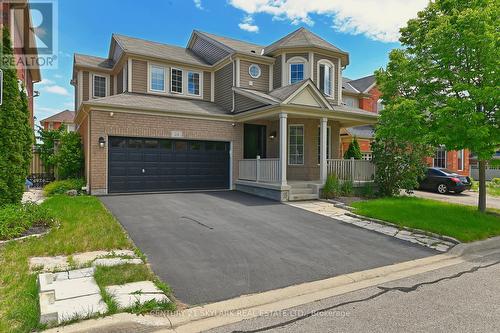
91	61
158	50
348	87
234	44
65	116
364	83
302	38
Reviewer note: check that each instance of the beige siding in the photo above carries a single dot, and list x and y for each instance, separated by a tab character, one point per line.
223	87
277	73
291	55
111	85
128	124
119	82
139	76
207	86
317	58
261	83
243	103
86	86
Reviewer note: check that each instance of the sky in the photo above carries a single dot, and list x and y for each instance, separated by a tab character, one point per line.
367	29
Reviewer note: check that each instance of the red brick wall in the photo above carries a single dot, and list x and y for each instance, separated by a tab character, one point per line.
364	145
370	103
452	162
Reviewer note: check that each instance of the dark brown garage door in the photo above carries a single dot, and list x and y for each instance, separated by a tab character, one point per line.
146	165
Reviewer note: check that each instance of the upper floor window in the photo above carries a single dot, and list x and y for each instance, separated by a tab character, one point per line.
194	83
440	157
157	77
99	86
296	72
176	81
254	71
326	78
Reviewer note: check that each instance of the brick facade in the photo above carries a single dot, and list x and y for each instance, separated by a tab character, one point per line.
102	124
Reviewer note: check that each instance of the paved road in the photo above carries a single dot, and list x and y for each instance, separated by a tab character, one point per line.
465	198
218	245
461	298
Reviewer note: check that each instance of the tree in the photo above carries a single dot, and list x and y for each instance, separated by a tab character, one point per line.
16	136
69	157
353	151
399	148
48	139
448	69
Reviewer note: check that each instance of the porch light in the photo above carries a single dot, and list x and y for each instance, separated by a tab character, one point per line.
272	135
102	142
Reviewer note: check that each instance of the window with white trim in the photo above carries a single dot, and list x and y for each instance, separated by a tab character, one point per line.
440	157
296	72
157	78
254	71
194	83
296	145
328	141
326	78
176	80
99	86
460	159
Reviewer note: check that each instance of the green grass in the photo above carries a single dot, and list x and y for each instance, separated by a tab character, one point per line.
492	188
461	222
85	225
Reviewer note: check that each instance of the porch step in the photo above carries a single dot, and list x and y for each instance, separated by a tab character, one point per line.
301	190
301	197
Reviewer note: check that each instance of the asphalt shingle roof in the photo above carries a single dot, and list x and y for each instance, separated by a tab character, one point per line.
235	44
65	116
347	87
363	83
91	61
157	50
301	38
159	103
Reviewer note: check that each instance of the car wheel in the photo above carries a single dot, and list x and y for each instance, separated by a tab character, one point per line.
442	189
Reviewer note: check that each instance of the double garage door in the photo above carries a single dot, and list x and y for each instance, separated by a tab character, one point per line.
148	165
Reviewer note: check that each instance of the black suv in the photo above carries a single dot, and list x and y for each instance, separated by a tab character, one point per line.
443	181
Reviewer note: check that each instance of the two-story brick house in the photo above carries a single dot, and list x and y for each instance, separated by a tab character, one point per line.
218	114
64	118
363	93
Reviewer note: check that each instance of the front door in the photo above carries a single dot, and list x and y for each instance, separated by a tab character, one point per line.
254	142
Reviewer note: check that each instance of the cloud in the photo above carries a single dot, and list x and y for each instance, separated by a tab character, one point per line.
247	24
45	82
376	19
55	89
198	4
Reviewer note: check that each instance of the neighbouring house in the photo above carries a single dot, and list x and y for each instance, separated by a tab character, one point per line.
15	15
55	121
219	113
364	93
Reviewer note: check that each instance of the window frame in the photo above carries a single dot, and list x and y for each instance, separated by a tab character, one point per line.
445	152
172	77
328	143
250	71
150	78
200	77
460	160
295	61
106	79
328	63
289	144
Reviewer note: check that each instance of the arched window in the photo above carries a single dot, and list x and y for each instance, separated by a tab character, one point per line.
325	77
297	69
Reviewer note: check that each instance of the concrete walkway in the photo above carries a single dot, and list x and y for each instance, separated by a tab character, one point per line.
468	198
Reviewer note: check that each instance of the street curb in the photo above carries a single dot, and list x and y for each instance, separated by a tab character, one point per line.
475	247
370	219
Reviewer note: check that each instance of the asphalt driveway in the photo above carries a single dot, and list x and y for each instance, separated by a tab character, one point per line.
468	198
217	245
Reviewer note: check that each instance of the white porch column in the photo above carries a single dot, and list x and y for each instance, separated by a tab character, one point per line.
322	150
283	149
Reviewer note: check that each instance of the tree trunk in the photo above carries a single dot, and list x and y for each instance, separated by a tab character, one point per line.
482	186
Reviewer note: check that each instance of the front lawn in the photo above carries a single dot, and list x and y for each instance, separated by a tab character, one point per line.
85	225
461	222
492	187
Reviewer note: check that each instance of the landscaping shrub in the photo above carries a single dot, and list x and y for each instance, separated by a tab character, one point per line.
368	191
69	157
61	186
346	188
17	218
332	187
354	151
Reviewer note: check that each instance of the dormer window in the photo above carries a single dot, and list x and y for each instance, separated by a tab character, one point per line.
176	81
297	69
157	77
194	83
325	78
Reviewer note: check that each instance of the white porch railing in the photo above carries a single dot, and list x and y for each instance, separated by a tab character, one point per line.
260	170
353	170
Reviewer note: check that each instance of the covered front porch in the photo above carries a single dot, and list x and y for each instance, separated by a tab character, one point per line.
288	152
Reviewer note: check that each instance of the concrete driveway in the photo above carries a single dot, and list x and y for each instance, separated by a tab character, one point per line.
468	198
217	245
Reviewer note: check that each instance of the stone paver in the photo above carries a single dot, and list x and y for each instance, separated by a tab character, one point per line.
115	262
33	195
130	294
49	264
328	209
